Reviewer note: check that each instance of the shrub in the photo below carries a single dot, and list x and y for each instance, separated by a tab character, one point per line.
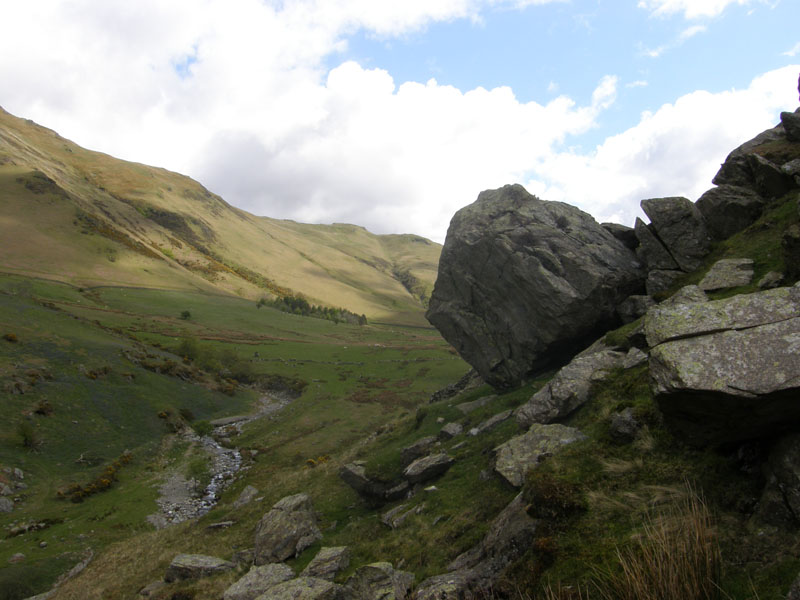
202	428
186	315
30	437
11	337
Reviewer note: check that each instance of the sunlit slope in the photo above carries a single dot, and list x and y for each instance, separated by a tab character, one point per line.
84	217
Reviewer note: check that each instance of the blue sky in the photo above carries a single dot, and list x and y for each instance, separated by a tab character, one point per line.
394	115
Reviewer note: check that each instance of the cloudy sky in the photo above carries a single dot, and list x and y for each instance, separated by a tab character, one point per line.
393	114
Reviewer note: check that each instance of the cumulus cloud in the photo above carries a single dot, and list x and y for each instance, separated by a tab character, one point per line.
675	150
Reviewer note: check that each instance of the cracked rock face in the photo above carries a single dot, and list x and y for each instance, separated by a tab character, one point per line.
522	281
728	370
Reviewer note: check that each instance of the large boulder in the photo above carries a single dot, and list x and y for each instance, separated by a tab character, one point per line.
428	467
650	249
728	273
567	390
727	209
195	566
328	563
286	530
257	581
522	281
514	458
727	370
680	227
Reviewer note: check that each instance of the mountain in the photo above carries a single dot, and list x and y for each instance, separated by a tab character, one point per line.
89	219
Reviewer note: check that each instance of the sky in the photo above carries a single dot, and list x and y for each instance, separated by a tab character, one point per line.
392	115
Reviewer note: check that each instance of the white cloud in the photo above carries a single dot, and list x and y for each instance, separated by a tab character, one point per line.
675	150
682	37
691	9
637	83
793	51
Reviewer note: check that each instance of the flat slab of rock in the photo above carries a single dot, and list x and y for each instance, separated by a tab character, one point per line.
728	370
428	467
492	422
468	407
355	475
450	430
286	530
195	566
258	581
328	563
522	453
379	581
728	273
304	588
418	449
567	390
522	281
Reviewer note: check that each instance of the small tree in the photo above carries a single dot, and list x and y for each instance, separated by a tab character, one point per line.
186	315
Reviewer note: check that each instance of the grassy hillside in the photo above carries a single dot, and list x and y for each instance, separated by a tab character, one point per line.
89	219
89	374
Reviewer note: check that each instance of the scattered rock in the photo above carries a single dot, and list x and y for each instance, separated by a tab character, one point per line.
522	453
152	589
450	430
427	468
286	530
195	566
258	581
388	518
567	390
16	558
624	426
246	497
728	273
468	407
469	381
328	563
243	557
418	449
770	281
728	209
6	505
727	370
634	307
680	227
305	588
522	281
355	475
5	490
380	581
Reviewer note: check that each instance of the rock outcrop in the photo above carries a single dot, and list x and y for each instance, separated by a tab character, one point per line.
258	581
681	228
427	468
728	273
728	370
195	566
522	281
286	530
728	209
328	563
379	581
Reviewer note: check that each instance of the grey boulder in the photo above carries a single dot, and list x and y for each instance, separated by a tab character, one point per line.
727	209
427	468
728	273
328	563
286	530
522	281
304	588
379	581
195	566
681	228
257	581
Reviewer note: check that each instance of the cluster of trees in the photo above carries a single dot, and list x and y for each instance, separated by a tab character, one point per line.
300	306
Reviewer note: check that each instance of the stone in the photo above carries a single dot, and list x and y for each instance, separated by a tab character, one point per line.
5	490
623	233
258	581
328	562
152	589
791	125
792	169
427	468
522	281
771	280
355	475
736	170
286	530
567	390
518	455
379	581
6	505
770	180
304	588
246	497
195	566
451	430
468	407
418	449
651	250
492	422
634	307
728	209
726	370
660	280
688	294
634	358
448	586
244	558
728	273
469	381
16	558
680	227
624	426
